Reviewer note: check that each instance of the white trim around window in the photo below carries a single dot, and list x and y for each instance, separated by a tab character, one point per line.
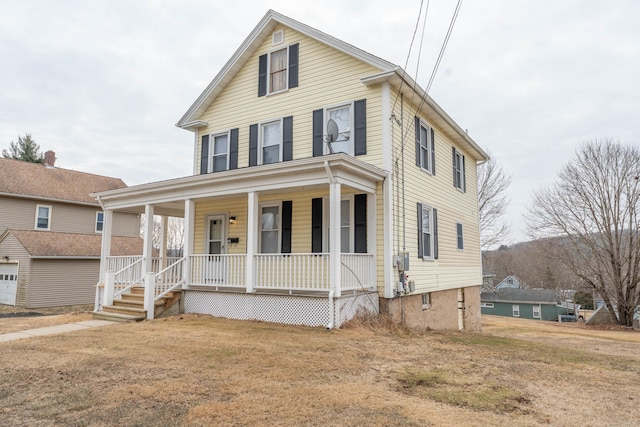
219	148
343	115
536	311
516	310
99	221
427	232
278	70
270	142
43	217
426	144
459	173
270	228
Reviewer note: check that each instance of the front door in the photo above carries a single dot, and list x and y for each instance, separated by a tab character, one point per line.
215	270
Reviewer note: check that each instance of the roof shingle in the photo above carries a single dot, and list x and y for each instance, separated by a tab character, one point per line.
48	243
34	179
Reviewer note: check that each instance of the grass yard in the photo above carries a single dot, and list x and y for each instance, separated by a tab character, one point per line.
201	371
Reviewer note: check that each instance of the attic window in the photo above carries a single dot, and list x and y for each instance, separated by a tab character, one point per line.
277	37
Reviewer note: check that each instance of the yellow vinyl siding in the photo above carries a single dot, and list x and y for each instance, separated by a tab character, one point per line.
326	77
453	268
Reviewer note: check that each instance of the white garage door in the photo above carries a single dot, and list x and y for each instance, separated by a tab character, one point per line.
8	283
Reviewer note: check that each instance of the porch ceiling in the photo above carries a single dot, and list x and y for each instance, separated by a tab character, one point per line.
297	175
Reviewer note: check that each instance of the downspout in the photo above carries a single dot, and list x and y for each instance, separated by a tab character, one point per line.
331	310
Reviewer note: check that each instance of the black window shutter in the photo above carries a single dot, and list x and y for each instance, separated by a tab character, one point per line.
293	65
253	145
316	225
233	149
262	75
286	227
433	152
420	251
453	154
435	233
464	177
317	133
360	127
360	229
287	138
204	158
417	141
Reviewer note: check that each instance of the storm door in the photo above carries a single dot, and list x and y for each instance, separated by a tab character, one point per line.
215	268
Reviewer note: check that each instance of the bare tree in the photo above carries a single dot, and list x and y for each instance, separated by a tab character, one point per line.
595	207
175	234
492	203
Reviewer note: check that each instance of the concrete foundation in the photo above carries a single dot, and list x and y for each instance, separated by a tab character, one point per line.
441	314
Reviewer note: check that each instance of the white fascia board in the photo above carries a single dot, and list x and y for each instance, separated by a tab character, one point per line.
50	200
271	177
251	43
398	77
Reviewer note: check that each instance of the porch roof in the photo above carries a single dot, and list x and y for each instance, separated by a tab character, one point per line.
299	174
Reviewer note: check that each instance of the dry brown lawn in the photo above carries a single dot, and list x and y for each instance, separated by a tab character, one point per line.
202	371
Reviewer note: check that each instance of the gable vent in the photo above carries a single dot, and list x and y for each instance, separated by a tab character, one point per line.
277	37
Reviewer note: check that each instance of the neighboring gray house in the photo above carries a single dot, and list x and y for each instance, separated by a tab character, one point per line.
51	232
537	304
509	282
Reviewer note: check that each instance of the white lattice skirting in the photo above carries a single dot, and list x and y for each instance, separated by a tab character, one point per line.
288	309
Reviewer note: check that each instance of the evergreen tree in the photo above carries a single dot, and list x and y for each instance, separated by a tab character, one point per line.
25	149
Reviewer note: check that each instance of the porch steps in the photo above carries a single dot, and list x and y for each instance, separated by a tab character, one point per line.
131	306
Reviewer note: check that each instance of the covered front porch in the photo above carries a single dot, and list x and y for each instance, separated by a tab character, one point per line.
258	242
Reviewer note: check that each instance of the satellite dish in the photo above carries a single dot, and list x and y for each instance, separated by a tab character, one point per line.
332	130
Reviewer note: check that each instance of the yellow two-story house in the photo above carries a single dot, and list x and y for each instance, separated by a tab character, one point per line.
326	182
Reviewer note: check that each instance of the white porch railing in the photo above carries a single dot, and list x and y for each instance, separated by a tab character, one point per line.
128	276
358	272
219	270
299	272
169	278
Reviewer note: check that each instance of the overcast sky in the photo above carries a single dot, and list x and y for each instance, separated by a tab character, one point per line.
102	83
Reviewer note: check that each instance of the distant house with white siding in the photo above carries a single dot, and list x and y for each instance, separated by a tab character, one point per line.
51	233
325	181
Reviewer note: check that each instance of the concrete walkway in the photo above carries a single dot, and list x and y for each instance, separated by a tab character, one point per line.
58	329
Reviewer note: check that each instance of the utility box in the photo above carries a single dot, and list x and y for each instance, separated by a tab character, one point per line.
412	285
402	261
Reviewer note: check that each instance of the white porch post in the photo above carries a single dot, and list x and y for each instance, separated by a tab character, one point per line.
147	235
147	253
164	228
371	238
187	251
252	239
105	252
335	264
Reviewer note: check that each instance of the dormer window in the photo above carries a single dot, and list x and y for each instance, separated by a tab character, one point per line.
278	70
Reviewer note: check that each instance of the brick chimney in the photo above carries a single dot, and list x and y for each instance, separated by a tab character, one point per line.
50	159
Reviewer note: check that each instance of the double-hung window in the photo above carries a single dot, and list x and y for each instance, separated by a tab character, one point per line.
99	221
339	124
341	128
459	173
278	62
278	70
43	217
219	151
460	236
536	311
271	142
346	225
516	310
270	229
425	147
427	232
